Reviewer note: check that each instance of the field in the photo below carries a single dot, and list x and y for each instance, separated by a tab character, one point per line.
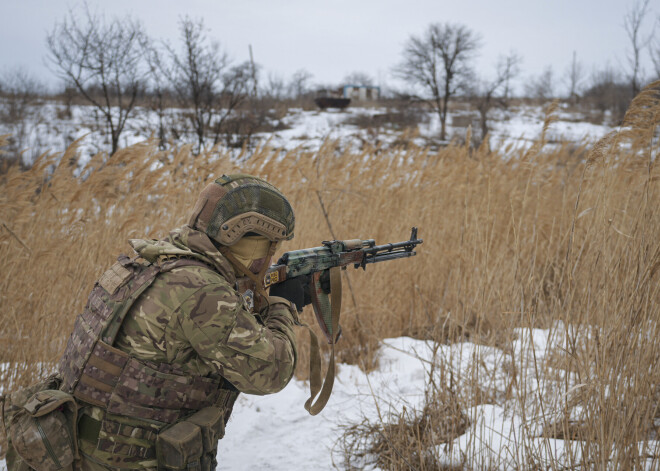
562	238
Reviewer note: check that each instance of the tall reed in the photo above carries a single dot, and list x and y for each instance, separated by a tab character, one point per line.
513	238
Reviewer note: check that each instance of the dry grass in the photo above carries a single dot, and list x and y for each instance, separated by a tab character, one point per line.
523	241
407	439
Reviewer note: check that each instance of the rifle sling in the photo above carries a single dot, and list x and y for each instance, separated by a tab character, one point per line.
315	387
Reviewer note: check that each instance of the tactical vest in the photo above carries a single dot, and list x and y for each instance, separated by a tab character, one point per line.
99	374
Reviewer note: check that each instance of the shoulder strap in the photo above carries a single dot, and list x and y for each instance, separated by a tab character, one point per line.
140	281
328	316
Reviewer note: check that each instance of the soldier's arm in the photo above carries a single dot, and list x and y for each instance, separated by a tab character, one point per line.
256	358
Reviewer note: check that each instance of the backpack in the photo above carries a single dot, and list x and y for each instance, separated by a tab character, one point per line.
40	425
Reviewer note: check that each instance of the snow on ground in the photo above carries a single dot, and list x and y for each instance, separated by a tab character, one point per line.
524	126
276	433
51	127
308	129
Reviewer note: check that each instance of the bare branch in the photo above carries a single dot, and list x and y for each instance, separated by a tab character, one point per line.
203	81
104	61
574	78
654	49
299	84
487	94
542	86
440	63
633	25
359	78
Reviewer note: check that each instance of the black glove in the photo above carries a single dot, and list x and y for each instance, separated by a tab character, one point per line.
325	281
295	290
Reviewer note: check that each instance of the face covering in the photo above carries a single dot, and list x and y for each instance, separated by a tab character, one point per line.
251	252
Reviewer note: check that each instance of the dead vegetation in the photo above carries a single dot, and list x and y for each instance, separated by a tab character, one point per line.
513	238
407	438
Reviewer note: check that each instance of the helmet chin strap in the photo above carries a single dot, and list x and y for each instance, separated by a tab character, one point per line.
258	278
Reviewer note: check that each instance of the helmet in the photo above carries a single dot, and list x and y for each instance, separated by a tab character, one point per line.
234	205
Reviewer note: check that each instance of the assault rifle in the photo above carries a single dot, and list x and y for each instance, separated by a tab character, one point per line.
323	264
338	253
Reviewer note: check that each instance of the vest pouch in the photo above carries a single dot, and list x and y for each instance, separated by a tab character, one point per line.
179	447
212	423
43	431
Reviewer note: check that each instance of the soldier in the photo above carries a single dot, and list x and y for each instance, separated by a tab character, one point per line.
166	343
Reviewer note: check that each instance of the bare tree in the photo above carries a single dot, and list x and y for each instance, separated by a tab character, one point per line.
20	114
20	90
203	80
574	78
104	61
542	86
300	83
608	91
359	78
237	84
275	88
195	74
654	49
439	62
157	94
490	93
632	23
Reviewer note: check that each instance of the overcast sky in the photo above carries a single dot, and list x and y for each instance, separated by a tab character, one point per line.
333	38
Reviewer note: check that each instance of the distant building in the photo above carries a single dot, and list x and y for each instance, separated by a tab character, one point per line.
361	92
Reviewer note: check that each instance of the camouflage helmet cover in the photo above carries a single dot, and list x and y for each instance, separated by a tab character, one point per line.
234	205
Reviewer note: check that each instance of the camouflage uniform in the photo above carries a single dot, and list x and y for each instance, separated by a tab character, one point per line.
193	319
165	344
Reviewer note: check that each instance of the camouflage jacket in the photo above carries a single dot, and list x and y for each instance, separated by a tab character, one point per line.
192	318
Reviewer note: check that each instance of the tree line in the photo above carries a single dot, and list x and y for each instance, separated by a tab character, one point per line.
112	65
441	63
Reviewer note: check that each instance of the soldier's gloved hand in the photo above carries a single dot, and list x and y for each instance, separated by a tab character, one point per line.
295	290
325	281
